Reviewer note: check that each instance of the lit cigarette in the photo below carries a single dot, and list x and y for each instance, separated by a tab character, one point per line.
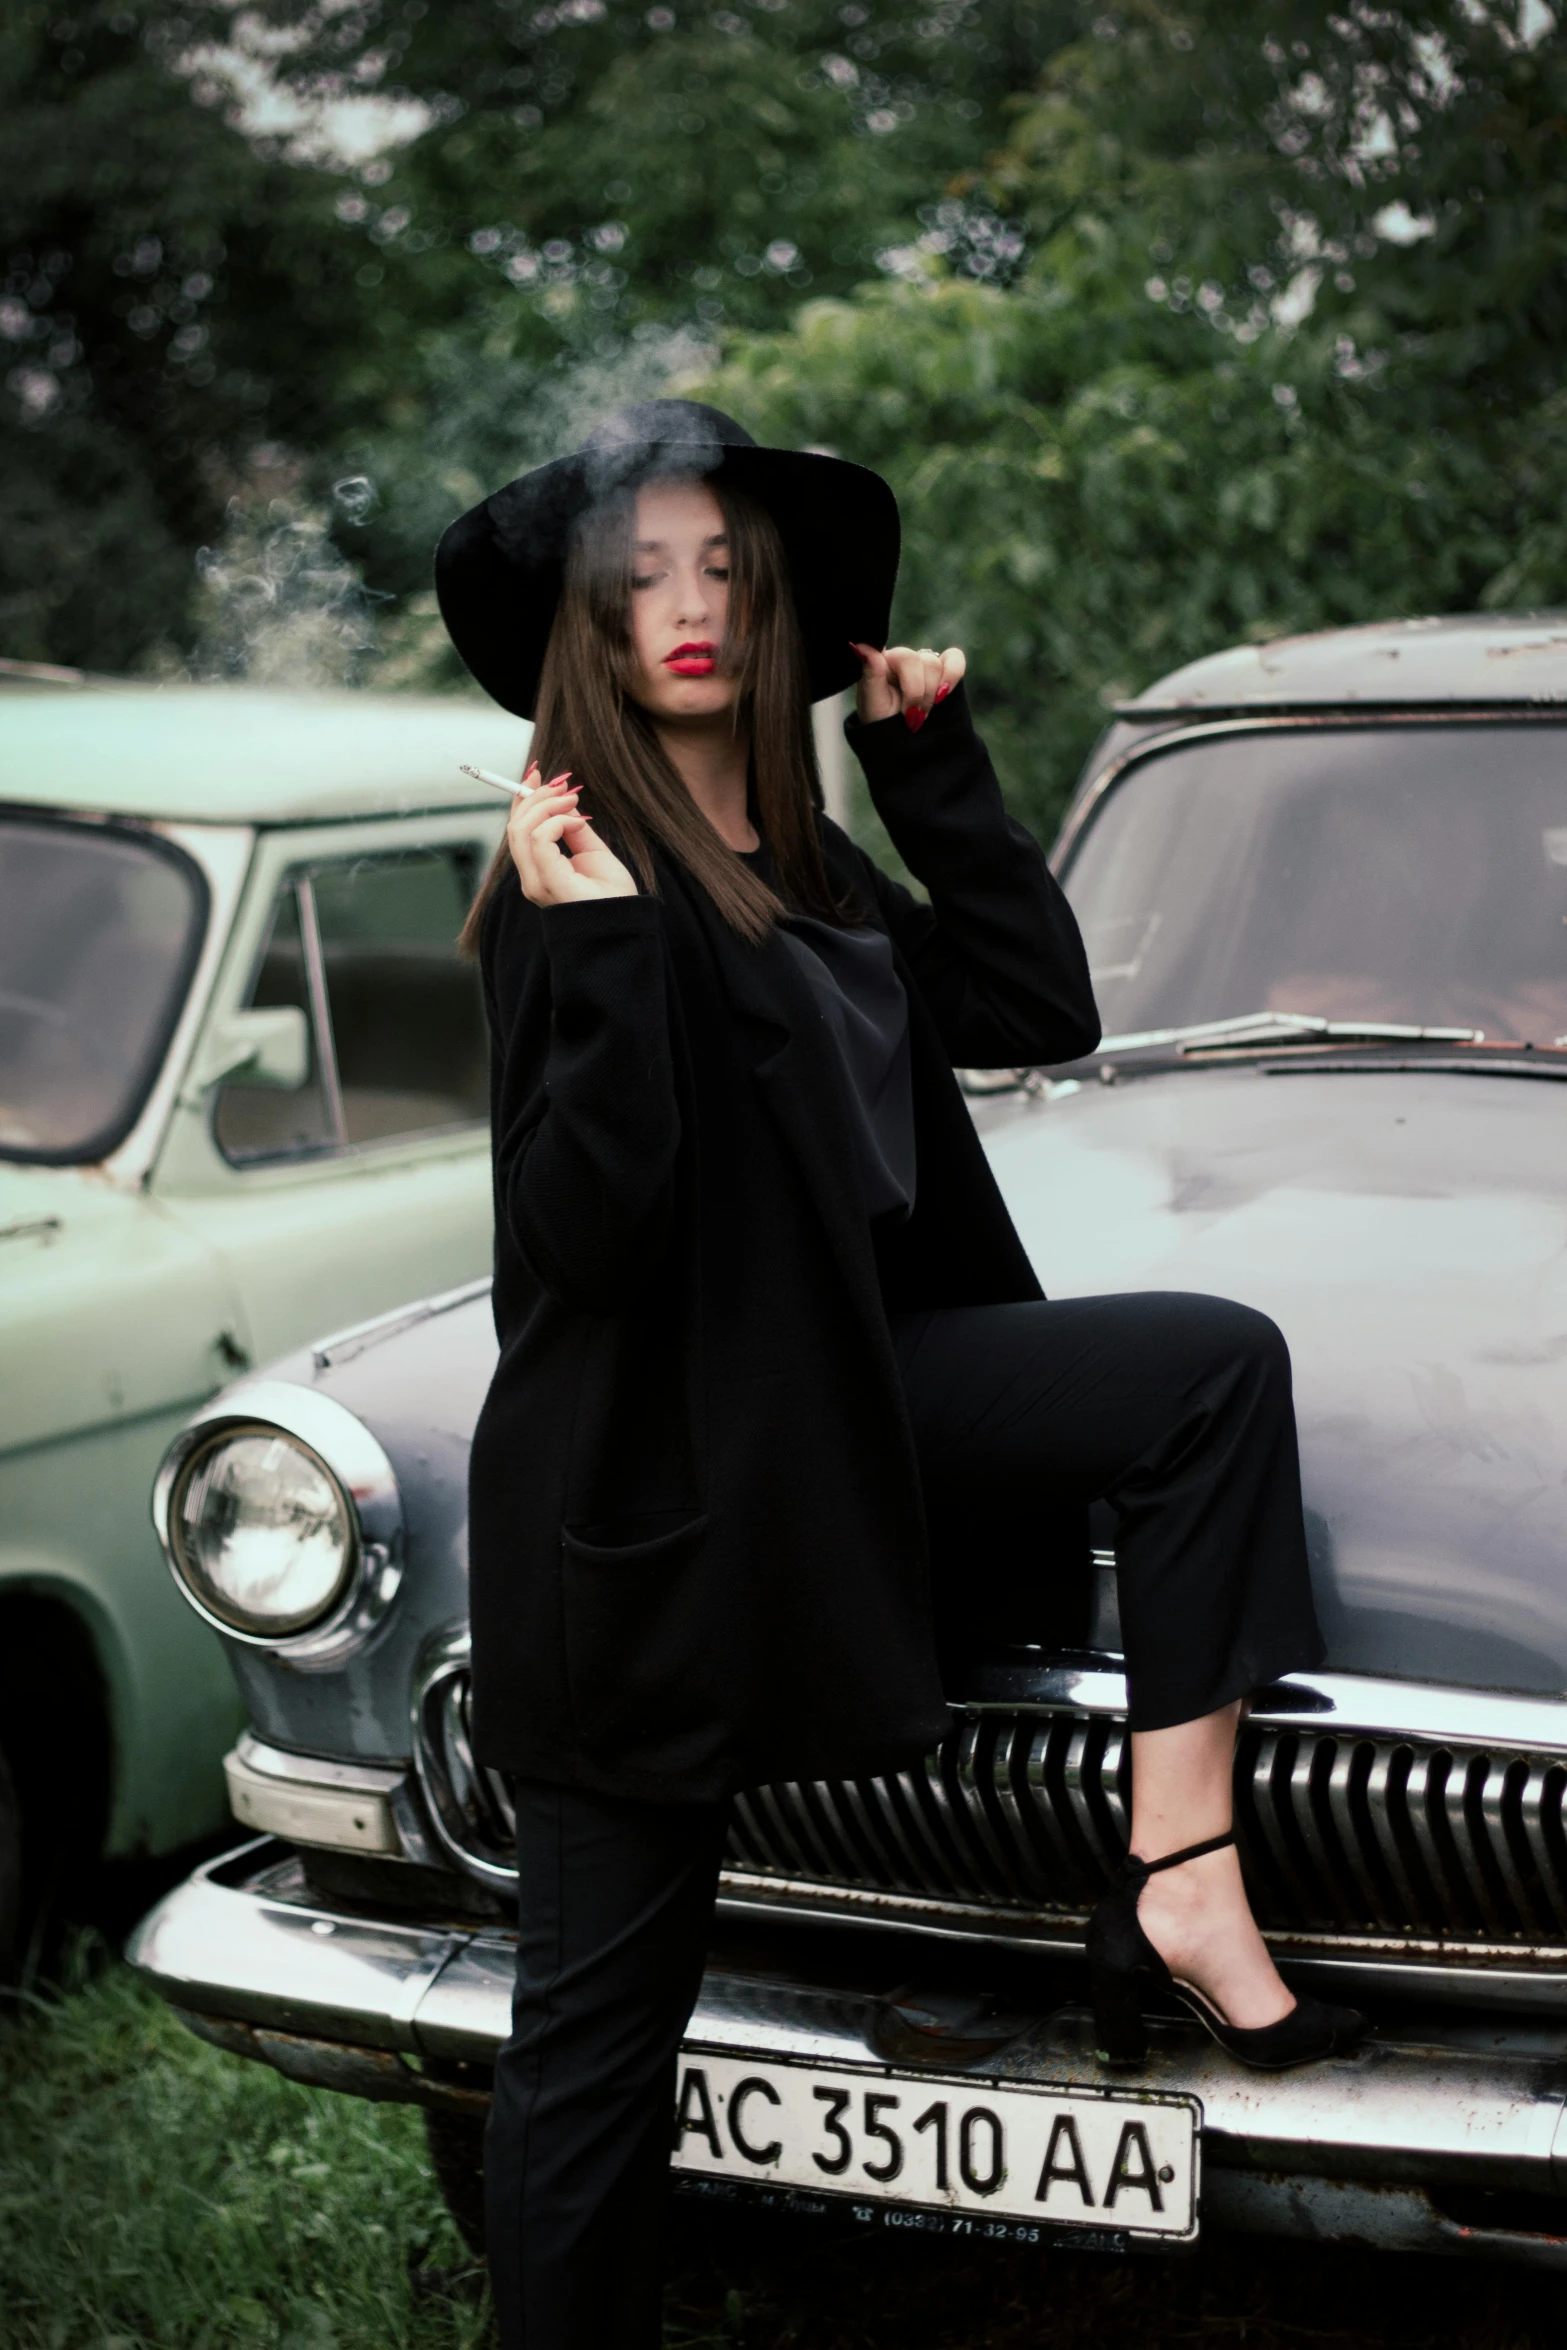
500	782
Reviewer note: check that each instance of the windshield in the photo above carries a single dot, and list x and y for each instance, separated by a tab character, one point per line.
98	932
1403	873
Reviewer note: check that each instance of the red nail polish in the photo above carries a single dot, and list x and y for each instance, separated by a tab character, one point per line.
942	692
914	720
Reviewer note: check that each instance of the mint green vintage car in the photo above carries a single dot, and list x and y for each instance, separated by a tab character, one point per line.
243	1097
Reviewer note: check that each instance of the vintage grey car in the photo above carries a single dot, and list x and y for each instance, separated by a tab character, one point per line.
1324	886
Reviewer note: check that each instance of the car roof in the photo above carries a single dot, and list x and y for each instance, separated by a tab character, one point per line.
1502	658
232	754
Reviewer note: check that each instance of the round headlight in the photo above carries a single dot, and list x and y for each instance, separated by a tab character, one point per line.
262	1532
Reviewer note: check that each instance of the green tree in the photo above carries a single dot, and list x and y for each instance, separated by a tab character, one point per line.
674	162
604	187
1281	358
1398	166
1226	322
184	294
173	301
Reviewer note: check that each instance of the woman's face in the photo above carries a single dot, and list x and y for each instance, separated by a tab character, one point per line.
680	602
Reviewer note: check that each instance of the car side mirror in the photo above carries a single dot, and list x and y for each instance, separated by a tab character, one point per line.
259	1047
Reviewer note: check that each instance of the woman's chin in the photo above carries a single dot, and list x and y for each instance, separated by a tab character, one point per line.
687	697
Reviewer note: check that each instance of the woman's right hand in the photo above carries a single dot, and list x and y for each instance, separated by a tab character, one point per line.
906	682
560	859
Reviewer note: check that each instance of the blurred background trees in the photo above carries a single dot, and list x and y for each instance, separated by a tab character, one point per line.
177	319
1285	352
1170	324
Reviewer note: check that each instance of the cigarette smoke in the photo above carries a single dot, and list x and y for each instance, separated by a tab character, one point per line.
572	397
281	604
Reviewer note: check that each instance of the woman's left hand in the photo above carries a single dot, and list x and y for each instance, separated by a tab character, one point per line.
906	680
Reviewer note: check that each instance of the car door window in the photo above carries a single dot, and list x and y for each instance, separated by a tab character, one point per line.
99	934
258	1122
366	948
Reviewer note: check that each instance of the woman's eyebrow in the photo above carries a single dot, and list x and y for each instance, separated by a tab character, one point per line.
720	538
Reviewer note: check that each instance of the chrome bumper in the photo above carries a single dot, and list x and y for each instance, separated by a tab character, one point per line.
1448	2135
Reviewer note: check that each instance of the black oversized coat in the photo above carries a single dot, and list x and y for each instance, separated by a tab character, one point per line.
699	1554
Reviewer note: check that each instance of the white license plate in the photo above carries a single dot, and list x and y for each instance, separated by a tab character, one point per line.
975	2150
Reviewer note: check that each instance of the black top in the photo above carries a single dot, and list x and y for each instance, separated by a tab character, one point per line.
698	1545
860	998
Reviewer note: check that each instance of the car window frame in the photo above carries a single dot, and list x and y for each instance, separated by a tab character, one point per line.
295	873
96	1147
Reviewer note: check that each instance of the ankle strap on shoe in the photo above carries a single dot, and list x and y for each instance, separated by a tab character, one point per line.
1173	1860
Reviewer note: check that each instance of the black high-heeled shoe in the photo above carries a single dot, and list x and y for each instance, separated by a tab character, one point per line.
1122	1963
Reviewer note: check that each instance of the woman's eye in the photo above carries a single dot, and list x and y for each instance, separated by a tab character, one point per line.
644	579
718	571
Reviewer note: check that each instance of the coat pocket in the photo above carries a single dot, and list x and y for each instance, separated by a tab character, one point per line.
633	1542
640	1642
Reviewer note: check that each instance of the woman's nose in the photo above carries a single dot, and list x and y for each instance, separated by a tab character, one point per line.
691	601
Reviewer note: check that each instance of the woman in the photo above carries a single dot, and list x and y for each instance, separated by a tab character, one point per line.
760	1306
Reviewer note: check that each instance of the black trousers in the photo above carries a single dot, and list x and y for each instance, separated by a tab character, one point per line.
1177	1411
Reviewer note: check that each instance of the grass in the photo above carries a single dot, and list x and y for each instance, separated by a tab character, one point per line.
158	2195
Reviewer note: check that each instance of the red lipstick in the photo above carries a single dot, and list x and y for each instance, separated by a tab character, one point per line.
692	660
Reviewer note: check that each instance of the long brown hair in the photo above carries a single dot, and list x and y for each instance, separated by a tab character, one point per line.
587	721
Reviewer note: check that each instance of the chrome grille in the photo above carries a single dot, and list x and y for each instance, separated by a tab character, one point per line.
1022	1812
1362	1834
470	1807
1356	1832
1340	1835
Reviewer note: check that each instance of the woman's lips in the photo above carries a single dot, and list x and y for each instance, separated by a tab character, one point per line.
692	660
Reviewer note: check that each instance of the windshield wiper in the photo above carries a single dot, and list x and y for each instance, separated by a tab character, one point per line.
1261	1028
1263	1033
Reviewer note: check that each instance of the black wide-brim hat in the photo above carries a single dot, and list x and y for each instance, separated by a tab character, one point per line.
499	568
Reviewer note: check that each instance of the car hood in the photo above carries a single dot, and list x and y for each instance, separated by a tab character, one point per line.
1408	1232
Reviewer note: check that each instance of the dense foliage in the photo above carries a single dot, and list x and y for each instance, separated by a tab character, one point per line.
173	301
1285	355
670	161
1170	322
195	310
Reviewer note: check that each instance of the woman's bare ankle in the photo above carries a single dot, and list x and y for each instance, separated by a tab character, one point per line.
1196	1914
1199	1920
